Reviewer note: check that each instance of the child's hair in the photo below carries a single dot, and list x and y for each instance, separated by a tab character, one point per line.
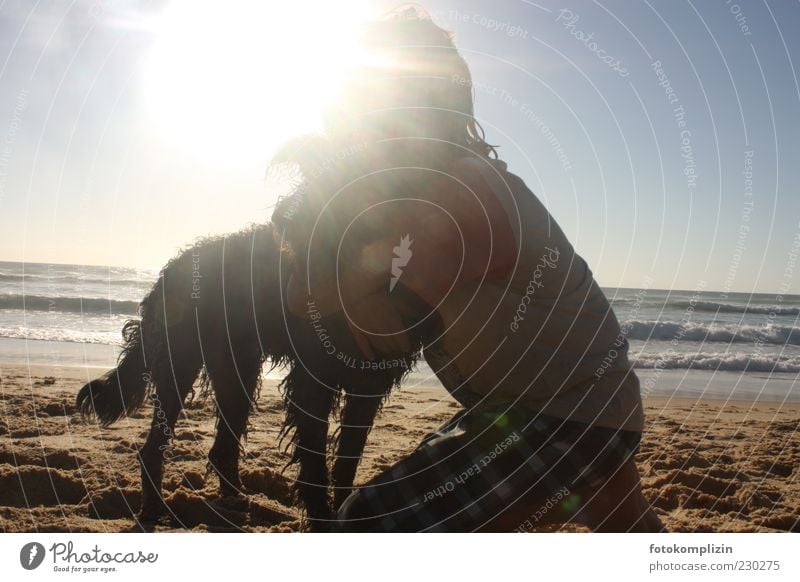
428	70
423	70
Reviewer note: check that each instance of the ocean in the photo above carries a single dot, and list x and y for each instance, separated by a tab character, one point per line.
71	315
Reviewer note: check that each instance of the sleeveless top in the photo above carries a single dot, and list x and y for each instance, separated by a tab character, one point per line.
544	335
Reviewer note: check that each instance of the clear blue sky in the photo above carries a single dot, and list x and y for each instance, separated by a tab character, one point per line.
125	134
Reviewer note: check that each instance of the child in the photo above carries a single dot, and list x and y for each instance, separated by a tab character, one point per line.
528	343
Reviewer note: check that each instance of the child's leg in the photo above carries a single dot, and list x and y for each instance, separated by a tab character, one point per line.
619	506
498	475
616	506
412	495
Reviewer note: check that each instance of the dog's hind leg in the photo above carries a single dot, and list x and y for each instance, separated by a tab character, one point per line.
171	388
358	417
234	386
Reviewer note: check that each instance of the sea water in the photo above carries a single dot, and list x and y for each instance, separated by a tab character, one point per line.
71	315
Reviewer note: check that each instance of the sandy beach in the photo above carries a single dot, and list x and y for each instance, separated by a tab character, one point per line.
707	465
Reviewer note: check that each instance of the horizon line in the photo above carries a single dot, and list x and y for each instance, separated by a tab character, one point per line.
674	289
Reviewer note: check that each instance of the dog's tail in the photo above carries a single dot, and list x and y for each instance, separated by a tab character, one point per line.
122	390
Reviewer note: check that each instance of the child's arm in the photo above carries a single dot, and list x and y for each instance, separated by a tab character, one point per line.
463	235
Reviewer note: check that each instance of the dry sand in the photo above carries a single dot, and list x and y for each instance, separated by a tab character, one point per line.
706	465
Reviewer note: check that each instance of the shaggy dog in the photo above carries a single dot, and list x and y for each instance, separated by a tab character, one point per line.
217	311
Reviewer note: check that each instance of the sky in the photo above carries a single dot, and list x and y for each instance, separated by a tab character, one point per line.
662	135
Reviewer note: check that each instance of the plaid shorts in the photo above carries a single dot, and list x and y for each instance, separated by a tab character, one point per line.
483	460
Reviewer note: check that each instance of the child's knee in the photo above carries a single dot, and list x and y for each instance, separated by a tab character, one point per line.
349	512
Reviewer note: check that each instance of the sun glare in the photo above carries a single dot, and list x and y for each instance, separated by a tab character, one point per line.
233	80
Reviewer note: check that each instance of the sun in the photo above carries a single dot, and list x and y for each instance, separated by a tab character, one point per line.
233	80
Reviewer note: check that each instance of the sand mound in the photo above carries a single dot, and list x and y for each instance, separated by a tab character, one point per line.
191	509
113	503
47	457
27	486
270	483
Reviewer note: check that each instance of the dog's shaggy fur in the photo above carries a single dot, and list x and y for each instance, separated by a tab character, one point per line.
217	309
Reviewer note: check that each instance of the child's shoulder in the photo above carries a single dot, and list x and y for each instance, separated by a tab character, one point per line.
475	161
483	173
489	169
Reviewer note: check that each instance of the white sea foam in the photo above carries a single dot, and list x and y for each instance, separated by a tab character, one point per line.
713	332
733	362
57	334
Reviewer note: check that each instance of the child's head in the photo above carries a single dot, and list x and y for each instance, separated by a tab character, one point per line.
414	84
